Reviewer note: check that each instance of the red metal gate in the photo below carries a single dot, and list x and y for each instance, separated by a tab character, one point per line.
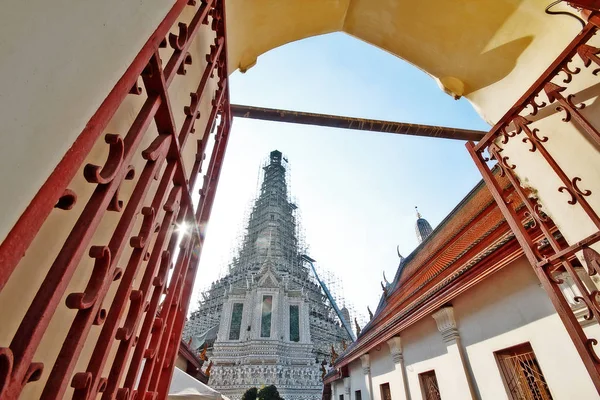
149	273
548	251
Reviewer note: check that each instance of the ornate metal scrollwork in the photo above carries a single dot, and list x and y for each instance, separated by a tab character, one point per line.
177	42
187	60
135	89
503	163
589	314
535	107
81	382
135	308
139	241
553	276
508	133
590	343
105	174
116	204
574	190
87	298
568	72
589	54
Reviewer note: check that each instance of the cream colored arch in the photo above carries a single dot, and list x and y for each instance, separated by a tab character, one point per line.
481	49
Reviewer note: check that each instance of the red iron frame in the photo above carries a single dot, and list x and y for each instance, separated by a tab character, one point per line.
549	254
148	335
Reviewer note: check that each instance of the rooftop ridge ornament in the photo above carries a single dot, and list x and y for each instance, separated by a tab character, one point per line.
358	330
334	355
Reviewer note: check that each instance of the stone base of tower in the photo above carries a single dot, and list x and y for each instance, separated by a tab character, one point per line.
290	367
294	382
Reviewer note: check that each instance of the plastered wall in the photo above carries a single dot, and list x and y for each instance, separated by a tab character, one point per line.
108	62
507	309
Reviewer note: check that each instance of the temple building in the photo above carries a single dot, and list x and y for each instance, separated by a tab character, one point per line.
116	113
267	321
466	318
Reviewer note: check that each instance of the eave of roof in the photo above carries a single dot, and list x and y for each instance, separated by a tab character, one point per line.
472	242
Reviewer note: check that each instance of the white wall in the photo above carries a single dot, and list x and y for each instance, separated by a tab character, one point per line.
507	309
357	380
511	308
100	26
59	61
383	371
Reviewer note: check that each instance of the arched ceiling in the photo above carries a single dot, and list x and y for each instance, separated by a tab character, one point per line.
467	45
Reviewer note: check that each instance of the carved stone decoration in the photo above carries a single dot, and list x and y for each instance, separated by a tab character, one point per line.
365	363
347	386
334	355
396	349
446	324
357	327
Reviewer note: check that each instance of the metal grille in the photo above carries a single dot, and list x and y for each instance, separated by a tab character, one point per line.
429	385
119	334
549	252
522	374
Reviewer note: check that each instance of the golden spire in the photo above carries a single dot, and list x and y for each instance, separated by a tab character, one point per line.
334	355
203	354
207	372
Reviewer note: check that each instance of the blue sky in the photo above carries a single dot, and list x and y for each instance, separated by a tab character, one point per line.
356	190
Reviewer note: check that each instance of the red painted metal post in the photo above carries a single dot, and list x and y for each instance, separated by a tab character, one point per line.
550	255
136	307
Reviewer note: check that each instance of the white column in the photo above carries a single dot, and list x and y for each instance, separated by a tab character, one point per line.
347	388
366	368
462	386
395	345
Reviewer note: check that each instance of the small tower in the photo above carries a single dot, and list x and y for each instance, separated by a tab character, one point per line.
422	227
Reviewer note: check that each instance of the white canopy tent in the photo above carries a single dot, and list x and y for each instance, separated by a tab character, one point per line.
185	387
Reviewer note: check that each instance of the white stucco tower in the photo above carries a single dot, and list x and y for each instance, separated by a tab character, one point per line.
271	319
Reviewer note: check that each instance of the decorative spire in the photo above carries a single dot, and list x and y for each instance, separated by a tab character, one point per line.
323	372
385	280
357	327
384	288
203	354
422	227
344	345
370	313
207	372
334	355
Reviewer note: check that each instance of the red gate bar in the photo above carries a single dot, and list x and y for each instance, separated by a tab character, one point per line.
157	323
550	255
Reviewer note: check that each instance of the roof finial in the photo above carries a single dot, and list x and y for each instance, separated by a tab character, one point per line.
418	213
